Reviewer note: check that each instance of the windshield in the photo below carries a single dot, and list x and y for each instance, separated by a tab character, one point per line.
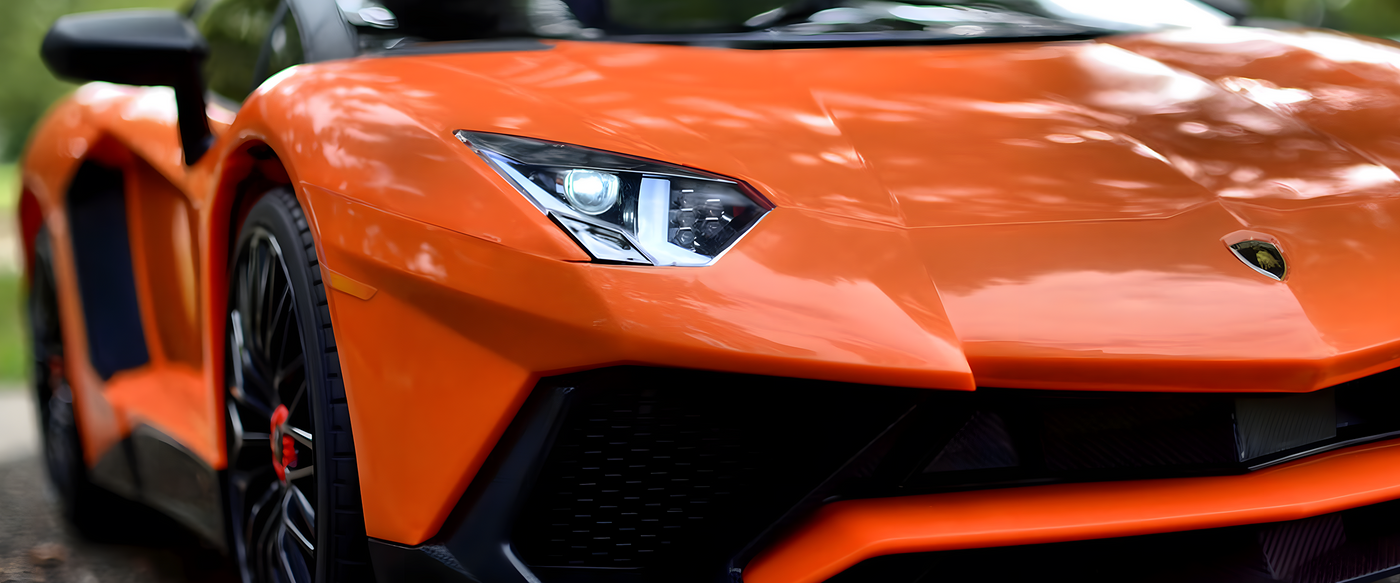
777	21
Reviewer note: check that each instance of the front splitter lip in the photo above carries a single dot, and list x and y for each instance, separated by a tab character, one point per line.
395	563
842	534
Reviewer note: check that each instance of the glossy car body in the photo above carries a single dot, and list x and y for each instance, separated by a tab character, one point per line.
1025	215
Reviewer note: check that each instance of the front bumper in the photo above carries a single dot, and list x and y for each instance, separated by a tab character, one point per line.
859	541
1356	546
446	339
644	475
846	533
442	336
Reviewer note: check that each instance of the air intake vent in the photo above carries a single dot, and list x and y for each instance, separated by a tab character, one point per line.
636	472
1136	431
676	471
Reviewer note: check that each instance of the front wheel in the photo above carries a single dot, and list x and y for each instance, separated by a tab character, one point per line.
292	486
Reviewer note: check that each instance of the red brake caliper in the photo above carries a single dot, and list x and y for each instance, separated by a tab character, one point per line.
284	448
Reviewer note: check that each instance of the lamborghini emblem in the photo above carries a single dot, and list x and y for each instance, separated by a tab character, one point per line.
1262	256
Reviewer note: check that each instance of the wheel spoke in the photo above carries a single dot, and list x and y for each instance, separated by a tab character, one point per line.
268	370
285	557
293	499
280	552
235	425
259	509
293	367
235	341
277	319
250	288
249	378
264	281
296	400
301	436
253	377
284	342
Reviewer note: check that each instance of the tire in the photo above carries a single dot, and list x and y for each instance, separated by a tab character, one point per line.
63	450
301	524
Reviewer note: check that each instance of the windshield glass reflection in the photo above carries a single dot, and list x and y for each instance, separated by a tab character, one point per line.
774	20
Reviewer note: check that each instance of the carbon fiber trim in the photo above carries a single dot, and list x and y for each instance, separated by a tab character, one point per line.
1272	424
983	443
1098	434
1287	545
1012	437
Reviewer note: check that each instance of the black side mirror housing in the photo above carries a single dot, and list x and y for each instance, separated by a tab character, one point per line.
137	47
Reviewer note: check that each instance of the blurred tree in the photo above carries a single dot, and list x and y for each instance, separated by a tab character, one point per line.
1371	17
28	88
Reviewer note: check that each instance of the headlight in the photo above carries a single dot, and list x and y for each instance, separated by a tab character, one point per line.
625	209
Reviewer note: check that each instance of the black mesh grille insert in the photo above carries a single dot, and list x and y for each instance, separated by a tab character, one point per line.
637	471
679	470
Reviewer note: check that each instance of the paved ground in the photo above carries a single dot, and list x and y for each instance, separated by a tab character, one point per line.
38	546
18	436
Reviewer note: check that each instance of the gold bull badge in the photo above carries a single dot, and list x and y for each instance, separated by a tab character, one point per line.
1263	256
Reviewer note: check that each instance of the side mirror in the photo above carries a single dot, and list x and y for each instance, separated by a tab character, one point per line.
137	47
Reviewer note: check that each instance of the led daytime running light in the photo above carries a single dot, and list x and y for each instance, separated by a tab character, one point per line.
623	209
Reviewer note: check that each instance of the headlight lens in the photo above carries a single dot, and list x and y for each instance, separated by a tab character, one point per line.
625	209
591	191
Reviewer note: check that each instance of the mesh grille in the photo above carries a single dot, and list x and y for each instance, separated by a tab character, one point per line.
635	473
667	471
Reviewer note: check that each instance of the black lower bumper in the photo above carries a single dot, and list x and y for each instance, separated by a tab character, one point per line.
1354	546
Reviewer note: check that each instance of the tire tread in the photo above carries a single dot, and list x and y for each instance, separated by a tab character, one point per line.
349	545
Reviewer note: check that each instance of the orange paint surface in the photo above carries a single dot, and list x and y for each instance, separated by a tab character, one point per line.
163	397
845	533
1033	215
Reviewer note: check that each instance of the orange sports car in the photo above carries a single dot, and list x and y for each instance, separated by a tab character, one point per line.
706	291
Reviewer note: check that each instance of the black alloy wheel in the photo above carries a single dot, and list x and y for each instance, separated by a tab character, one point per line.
292	489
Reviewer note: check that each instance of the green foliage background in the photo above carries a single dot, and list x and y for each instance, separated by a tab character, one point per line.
27	88
1371	17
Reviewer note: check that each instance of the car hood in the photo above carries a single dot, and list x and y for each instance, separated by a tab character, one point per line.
939	136
1072	201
